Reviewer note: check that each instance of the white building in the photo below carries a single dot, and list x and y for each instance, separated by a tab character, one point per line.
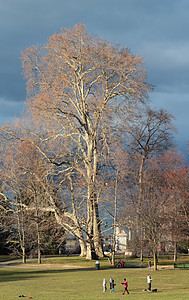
120	240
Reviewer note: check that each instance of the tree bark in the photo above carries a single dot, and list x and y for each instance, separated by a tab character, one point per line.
97	232
155	257
83	248
139	222
175	251
38	244
23	255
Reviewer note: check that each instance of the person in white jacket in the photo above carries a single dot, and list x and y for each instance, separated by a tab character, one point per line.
104	285
149	281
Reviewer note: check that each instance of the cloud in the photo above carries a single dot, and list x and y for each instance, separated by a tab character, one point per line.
9	110
178	106
156	30
168	65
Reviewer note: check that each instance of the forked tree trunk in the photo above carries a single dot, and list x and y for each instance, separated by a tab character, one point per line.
94	232
82	243
76	222
83	248
90	251
81	240
94	243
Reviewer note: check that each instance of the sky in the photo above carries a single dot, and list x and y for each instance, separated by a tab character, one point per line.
158	31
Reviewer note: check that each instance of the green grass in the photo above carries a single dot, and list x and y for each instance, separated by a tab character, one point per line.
162	259
87	284
78	261
72	261
7	257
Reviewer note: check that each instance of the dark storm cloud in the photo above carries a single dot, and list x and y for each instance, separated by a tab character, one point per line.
156	30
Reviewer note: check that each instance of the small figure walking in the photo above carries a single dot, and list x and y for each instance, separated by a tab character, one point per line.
125	284
149	264
104	285
149	280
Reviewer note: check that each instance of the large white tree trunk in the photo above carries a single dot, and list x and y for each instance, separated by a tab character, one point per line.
83	248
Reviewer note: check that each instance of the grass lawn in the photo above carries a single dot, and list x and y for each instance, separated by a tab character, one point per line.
87	283
78	261
7	257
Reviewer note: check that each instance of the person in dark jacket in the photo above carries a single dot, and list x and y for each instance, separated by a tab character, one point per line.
110	281
112	284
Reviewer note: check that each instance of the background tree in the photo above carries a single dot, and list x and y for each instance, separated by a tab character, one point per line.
176	191
24	184
164	202
150	133
152	210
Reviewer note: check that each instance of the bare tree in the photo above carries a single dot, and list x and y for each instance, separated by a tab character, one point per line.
151	133
78	87
24	192
176	191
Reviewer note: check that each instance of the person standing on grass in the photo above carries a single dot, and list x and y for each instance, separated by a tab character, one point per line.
110	281
125	284
149	281
112	286
149	264
104	285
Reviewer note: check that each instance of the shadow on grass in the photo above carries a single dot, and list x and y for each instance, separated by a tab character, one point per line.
21	274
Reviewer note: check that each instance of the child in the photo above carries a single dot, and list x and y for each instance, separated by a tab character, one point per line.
104	285
125	286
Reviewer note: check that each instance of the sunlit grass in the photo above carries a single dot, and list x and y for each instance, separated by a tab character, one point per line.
76	261
87	284
104	262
